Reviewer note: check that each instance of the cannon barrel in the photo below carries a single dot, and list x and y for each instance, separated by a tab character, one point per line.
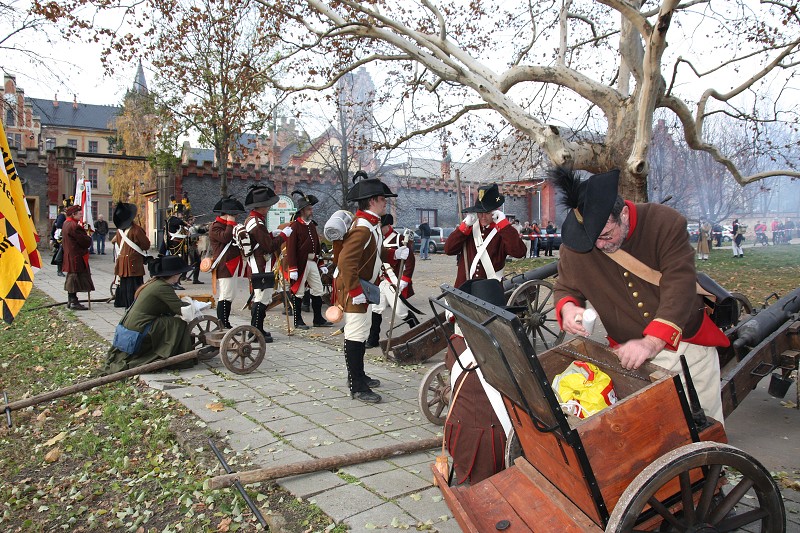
762	325
546	271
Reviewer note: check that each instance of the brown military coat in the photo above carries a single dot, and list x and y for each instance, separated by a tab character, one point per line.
220	234
356	260
130	263
506	242
303	241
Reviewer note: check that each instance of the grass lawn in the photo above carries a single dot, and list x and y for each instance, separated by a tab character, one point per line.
122	457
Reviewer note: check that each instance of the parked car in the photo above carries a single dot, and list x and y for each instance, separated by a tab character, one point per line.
694	232
437	240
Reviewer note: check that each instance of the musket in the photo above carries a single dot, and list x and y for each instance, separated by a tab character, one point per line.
397	275
279	272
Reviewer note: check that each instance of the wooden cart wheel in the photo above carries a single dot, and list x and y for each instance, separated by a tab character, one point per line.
539	318
750	498
113	288
513	448
745	307
434	394
242	349
198	328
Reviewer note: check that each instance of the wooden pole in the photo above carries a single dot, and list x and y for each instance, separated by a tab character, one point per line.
103	380
315	465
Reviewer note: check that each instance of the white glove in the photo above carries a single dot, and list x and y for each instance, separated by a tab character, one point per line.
470	219
401	253
403	285
497	216
287	231
323	269
293	275
360	299
277	233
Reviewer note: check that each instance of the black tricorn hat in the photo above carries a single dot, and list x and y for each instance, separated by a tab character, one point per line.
260	196
123	215
228	206
489	290
387	220
590	203
365	187
304	201
489	199
167	266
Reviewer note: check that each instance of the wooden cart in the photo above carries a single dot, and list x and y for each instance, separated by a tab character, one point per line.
646	463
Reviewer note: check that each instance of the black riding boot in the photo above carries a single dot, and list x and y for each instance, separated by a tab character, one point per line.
257	314
224	313
357	381
306	302
196	274
374	331
319	320
73	302
411	319
298	315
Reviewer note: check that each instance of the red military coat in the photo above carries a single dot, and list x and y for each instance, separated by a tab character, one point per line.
506	242
76	243
390	238
264	244
303	241
220	234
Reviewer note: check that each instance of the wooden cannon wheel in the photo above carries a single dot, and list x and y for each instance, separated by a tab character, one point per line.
113	288
745	307
242	349
199	329
751	497
513	448
434	394
539	318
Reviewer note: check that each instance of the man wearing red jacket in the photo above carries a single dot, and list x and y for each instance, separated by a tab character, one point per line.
644	321
76	243
227	265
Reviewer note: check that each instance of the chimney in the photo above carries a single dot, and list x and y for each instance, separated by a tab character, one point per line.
55	100
74	101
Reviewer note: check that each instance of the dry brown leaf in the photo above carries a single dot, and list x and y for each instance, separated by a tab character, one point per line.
39	368
81	413
216	407
53	455
43	415
225	525
97	412
58	438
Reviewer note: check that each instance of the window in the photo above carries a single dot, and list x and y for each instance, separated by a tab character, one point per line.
93	178
92	147
14	141
94	210
73	143
11	110
18	140
429	215
50	143
110	215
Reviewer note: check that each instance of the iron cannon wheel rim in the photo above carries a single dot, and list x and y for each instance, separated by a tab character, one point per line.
539	318
755	488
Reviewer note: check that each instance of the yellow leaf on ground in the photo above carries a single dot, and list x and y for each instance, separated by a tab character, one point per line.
39	368
58	438
216	407
80	413
53	455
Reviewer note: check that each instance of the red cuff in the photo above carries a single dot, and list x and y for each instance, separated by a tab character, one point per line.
355	292
405	278
666	332
561	303
463	228
502	224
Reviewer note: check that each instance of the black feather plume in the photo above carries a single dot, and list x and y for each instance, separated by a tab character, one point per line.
298	192
360	175
568	183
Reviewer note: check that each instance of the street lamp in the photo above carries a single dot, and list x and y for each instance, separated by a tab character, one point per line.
65	160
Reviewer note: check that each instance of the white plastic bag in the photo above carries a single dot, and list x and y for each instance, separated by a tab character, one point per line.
194	309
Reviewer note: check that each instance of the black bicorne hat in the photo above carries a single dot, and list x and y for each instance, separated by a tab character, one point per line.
123	215
260	196
489	199
365	187
167	266
229	206
304	201
489	290
590	203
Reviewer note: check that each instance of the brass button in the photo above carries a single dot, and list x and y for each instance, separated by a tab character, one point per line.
640	304
645	314
630	284
625	274
635	294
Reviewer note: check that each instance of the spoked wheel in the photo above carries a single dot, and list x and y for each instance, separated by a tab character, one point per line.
113	288
539	318
199	328
434	394
744	305
751	500
242	349
513	448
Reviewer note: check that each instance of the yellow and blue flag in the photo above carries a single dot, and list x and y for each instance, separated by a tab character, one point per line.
19	258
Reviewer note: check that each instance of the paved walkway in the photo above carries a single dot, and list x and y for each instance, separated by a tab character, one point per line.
296	407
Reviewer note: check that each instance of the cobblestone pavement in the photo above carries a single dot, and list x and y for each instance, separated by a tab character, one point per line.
296	406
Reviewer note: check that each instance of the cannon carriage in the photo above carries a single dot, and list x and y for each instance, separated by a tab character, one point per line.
650	462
